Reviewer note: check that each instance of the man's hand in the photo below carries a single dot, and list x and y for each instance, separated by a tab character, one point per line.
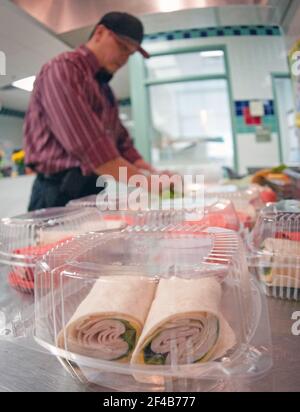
166	173
143	166
112	167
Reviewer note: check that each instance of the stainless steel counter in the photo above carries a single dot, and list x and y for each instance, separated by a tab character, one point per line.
26	371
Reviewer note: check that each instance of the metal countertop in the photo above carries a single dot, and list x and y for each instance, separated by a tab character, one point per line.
25	370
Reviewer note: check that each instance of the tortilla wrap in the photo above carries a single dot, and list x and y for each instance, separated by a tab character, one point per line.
184	324
108	322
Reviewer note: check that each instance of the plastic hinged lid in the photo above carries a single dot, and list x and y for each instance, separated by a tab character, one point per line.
247	202
142	215
112	198
221	213
275	249
86	201
212	213
165	310
23	240
250	193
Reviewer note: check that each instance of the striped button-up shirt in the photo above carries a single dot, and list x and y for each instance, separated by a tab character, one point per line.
72	120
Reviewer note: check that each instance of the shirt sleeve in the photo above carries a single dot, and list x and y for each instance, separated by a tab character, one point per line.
71	117
126	146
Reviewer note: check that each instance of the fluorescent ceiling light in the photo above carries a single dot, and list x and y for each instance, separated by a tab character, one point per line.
204	118
25	84
212	53
169	5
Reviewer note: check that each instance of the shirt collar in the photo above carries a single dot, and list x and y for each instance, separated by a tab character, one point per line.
90	58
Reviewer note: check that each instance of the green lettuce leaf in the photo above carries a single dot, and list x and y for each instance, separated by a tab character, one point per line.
152	358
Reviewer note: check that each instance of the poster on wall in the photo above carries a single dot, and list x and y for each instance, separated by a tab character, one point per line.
294	58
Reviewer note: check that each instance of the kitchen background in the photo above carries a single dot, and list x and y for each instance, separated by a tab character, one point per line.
216	92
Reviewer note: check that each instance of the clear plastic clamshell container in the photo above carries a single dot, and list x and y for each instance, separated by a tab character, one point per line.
212	213
275	249
143	215
220	213
87	201
171	310
247	202
23	240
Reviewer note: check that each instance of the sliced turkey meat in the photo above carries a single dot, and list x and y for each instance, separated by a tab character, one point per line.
108	322
184	324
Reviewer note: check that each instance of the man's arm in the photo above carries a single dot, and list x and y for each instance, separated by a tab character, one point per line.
141	164
126	146
130	153
78	128
112	168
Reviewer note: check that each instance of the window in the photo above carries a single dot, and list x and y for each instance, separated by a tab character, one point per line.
200	63
190	111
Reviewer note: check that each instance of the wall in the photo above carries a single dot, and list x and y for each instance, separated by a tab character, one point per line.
10	132
252	61
286	112
211	17
15	193
254	53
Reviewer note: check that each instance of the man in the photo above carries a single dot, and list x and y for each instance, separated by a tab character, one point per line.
72	130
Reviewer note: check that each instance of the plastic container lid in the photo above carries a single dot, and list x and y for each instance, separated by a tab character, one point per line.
164	310
275	249
246	201
149	216
87	201
25	238
214	213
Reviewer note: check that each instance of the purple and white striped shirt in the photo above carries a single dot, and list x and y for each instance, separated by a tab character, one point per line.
71	120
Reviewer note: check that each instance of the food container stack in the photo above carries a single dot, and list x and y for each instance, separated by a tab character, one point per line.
214	213
153	311
23	240
143	216
247	202
183	212
275	249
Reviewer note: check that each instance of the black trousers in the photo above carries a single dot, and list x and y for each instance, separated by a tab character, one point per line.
58	189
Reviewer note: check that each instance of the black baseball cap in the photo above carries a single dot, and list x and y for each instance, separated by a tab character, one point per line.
128	27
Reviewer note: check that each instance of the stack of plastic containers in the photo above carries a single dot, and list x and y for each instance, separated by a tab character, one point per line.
275	249
212	213
247	202
215	213
226	206
165	310
87	201
25	239
141	216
